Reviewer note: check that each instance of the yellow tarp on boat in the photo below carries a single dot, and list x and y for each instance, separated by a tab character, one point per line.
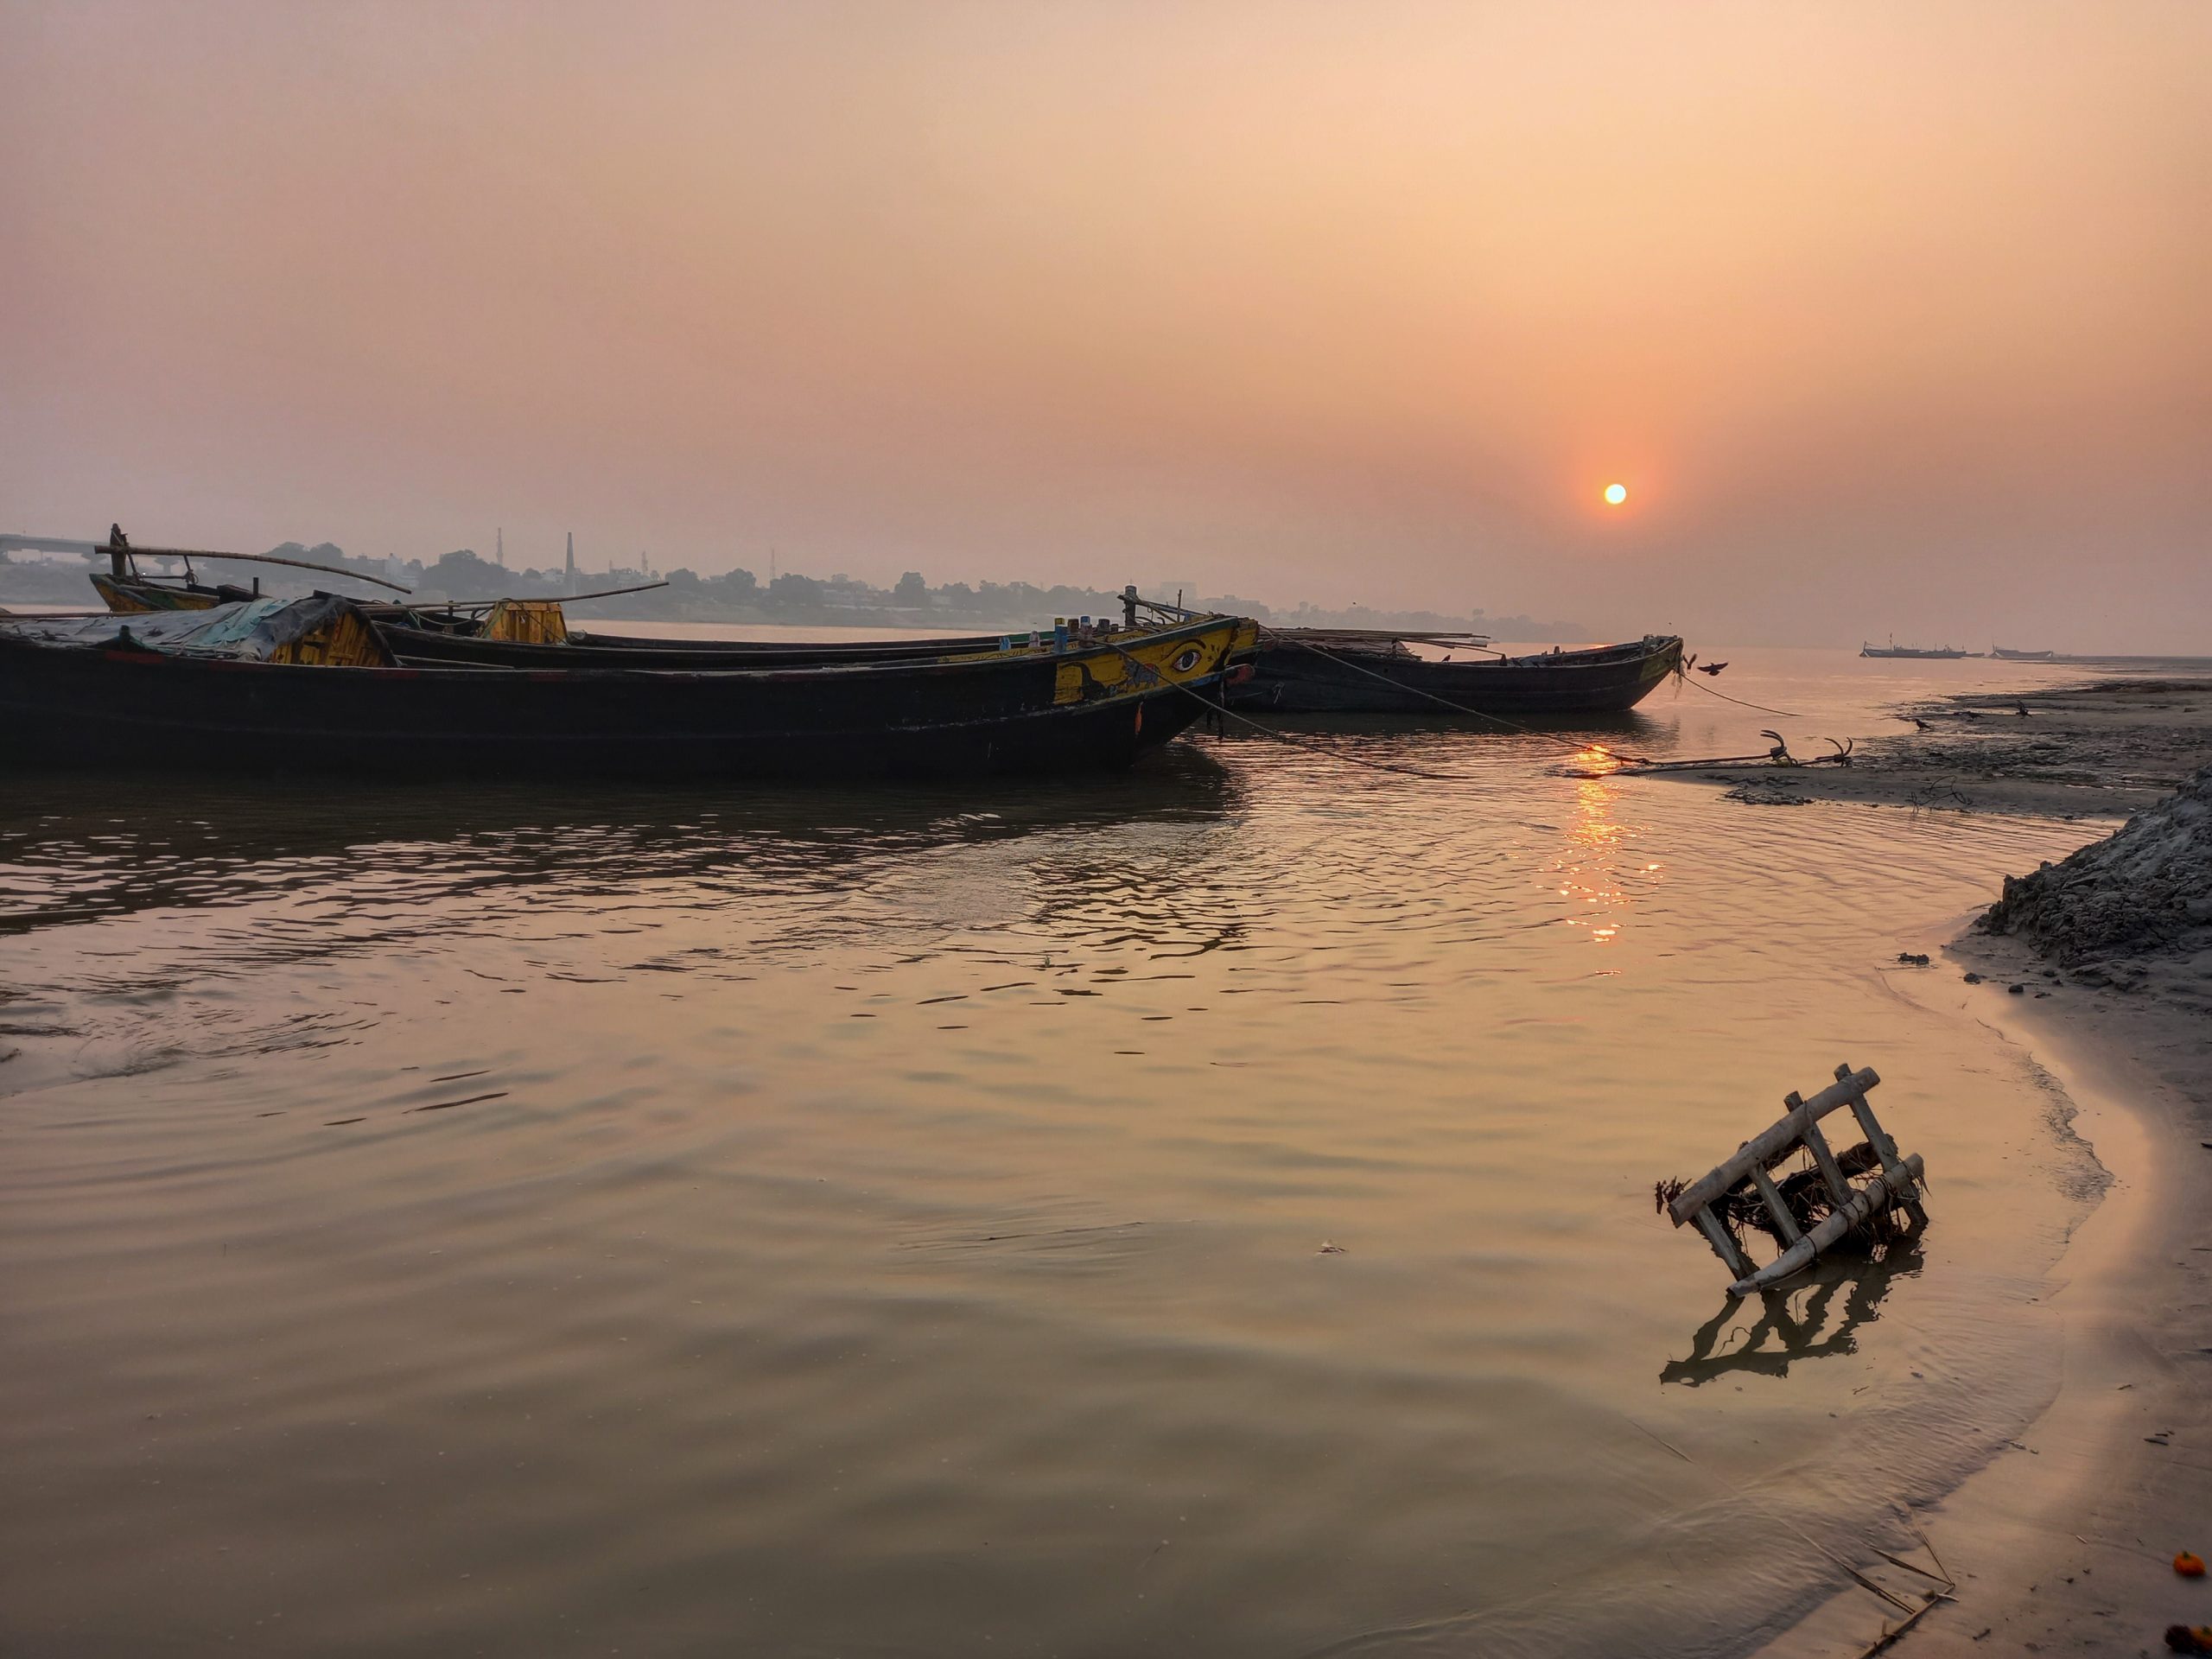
527	622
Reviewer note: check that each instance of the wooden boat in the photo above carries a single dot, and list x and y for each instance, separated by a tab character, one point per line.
1999	652
129	591
422	638
134	595
1305	672
273	686
1943	653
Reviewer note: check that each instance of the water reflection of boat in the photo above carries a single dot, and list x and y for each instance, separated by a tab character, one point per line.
1302	671
432	857
272	686
1793	1321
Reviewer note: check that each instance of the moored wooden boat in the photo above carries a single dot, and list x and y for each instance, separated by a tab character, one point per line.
1336	673
1936	654
129	591
426	639
96	693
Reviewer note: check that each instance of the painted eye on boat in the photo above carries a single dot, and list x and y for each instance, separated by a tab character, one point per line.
1187	661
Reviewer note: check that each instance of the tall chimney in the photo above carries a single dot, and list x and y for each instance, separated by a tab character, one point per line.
572	560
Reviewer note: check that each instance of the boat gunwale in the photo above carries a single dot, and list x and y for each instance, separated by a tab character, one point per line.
834	672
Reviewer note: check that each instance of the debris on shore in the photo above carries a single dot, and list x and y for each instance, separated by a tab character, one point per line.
2101	750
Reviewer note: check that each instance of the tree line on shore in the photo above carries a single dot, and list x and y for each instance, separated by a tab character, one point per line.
740	596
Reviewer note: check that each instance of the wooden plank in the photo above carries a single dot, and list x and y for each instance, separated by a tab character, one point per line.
1887	1150
1723	1246
1877	1137
1877	1195
1775	1207
1824	1159
1768	1148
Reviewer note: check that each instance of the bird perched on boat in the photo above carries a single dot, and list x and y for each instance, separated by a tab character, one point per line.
1710	668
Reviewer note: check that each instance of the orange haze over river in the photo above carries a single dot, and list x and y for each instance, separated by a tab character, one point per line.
1886	318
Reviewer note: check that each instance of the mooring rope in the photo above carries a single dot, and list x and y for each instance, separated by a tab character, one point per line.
1458	708
1683	673
1637	761
1285	738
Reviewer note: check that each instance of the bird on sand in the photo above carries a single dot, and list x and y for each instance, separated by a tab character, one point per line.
1969	714
1710	668
2021	709
1922	724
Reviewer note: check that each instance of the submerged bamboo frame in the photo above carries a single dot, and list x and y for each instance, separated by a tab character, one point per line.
1896	1185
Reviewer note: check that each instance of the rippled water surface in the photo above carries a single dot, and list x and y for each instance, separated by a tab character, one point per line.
1201	1211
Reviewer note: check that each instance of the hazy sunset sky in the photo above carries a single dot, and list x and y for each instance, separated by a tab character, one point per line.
1889	317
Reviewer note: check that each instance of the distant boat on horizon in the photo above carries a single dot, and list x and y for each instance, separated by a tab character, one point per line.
1893	649
2022	656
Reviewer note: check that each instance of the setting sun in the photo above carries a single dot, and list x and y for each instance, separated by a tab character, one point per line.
1615	494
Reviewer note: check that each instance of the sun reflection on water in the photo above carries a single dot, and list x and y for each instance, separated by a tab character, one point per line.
1588	871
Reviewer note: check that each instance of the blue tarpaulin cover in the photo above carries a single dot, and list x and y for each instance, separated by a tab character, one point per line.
250	630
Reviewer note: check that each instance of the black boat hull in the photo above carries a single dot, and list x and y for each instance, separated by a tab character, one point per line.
115	706
1291	678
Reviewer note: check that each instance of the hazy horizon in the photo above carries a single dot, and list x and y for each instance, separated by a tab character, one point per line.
1890	320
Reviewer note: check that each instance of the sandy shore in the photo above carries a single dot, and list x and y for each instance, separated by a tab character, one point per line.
2101	750
2065	1543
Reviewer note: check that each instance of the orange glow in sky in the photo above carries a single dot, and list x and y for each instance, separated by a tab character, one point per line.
1346	303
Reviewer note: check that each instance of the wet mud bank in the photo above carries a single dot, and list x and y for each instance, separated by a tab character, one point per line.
2100	966
2101	750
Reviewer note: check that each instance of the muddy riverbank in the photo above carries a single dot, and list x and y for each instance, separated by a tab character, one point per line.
2104	749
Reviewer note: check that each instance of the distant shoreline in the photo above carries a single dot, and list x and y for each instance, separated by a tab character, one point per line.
735	599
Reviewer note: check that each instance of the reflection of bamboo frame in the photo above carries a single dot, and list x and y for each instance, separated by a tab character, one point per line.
1848	1207
1801	1321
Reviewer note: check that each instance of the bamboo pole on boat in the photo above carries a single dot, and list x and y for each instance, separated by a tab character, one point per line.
547	599
189	554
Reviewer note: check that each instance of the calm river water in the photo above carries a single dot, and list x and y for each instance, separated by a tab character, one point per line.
1201	1211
